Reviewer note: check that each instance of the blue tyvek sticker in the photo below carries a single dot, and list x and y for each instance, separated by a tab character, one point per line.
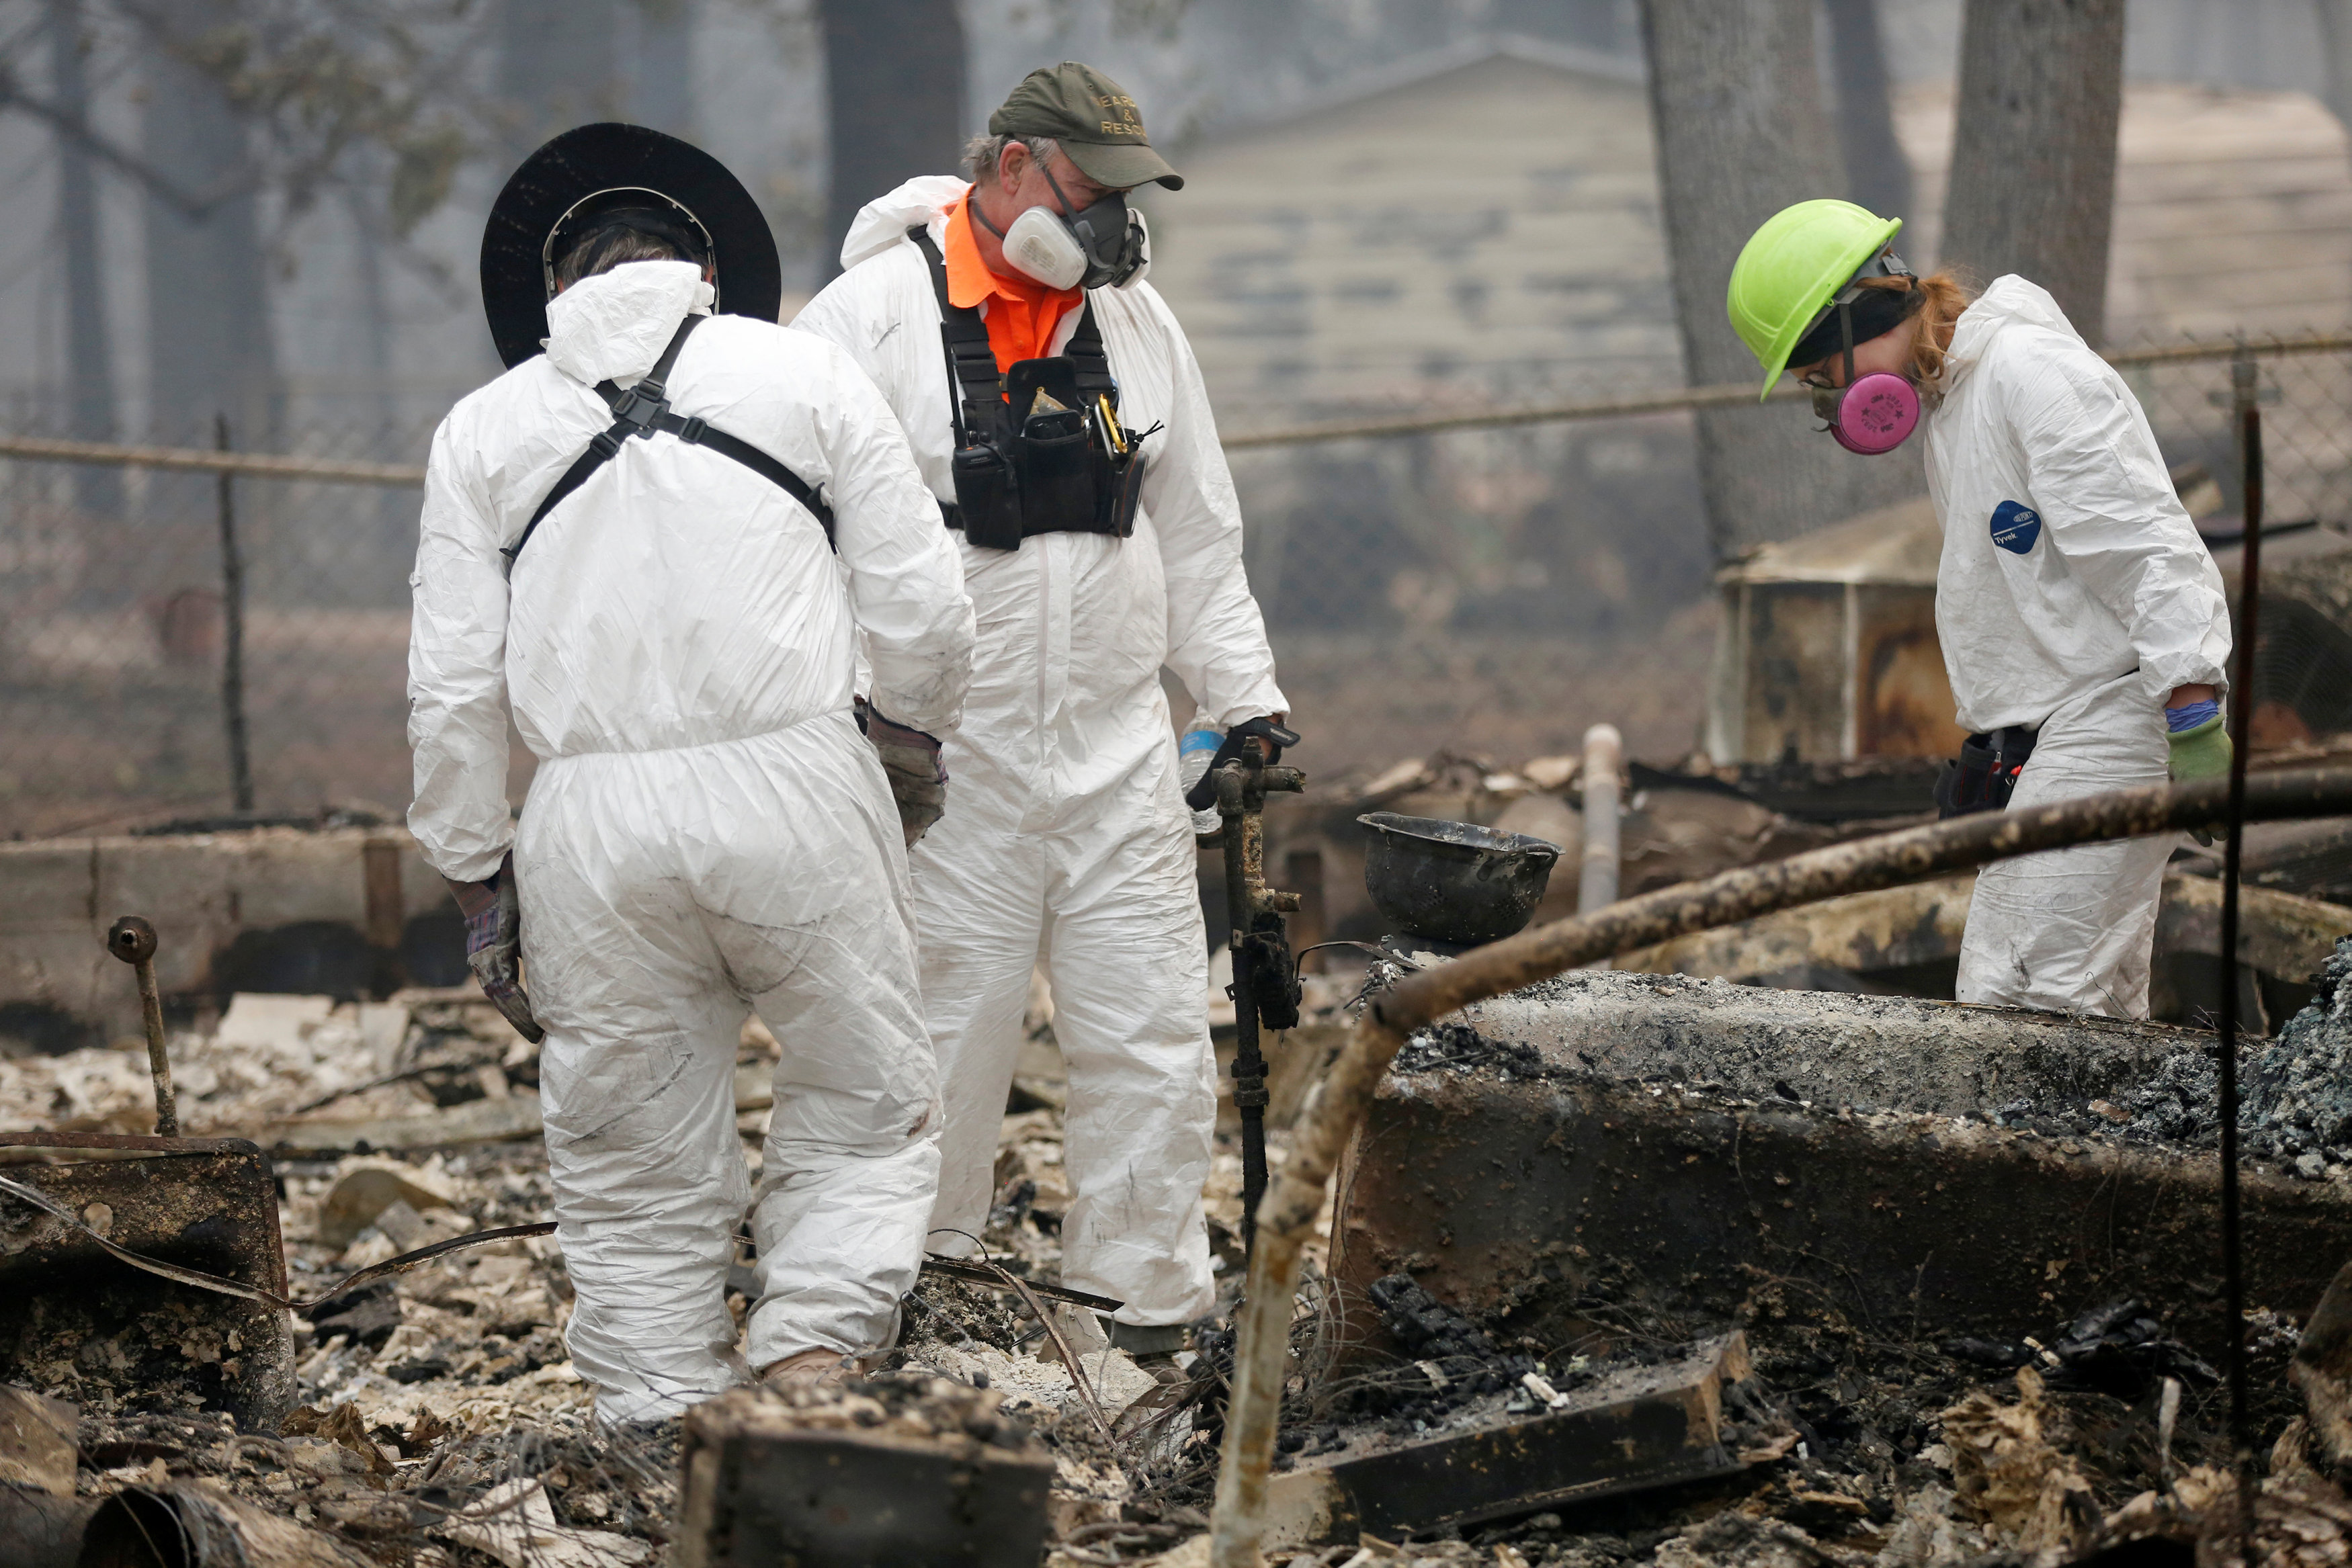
2015	528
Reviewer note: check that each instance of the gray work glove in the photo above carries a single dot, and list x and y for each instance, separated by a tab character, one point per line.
918	773
494	944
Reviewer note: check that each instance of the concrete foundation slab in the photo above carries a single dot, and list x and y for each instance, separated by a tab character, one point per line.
1704	1150
342	912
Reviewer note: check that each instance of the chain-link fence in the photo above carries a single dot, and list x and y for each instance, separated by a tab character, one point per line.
1490	586
120	631
1436	580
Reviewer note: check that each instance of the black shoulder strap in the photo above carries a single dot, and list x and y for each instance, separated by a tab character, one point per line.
644	409
972	361
1091	359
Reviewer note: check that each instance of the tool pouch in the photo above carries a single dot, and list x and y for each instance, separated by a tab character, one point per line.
1119	489
987	497
1055	461
1984	776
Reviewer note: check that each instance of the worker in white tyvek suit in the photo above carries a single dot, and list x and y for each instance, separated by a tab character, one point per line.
708	832
1068	841
2083	620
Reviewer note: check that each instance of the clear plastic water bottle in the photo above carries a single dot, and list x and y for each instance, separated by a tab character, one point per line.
1194	751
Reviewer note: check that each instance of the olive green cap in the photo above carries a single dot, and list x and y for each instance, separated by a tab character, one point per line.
1093	118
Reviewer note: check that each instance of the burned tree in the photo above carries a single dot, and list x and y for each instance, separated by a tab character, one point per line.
894	69
2033	155
211	350
1741	133
89	344
1877	174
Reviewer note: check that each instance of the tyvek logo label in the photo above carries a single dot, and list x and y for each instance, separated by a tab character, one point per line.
2014	527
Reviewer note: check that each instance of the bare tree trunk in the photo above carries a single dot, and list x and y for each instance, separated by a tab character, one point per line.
394	532
556	65
1740	134
89	345
1877	175
210	348
664	86
894	73
2033	154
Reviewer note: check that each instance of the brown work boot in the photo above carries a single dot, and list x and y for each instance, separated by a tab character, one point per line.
811	1369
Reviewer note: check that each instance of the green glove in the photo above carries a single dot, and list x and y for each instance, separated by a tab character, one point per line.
2201	753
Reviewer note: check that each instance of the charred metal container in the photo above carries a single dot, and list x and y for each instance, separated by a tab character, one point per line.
1455	881
1633	1429
760	1491
77	1323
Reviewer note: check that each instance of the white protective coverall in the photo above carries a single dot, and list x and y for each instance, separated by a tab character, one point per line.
708	832
2072	596
1066	837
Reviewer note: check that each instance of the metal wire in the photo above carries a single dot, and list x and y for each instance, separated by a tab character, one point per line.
1740	396
1669	400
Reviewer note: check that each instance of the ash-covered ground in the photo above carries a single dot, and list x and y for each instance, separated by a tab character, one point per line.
448	1389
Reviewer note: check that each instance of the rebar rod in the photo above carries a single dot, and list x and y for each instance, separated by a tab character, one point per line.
2242	708
1339	1103
133	940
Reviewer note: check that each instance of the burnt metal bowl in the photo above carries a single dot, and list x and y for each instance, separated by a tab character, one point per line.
1455	881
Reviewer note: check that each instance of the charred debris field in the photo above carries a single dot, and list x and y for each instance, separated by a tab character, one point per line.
433	1417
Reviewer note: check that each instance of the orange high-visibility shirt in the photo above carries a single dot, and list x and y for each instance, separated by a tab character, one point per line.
1021	314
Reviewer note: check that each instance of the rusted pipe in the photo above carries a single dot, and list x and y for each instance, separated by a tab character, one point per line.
1338	1106
133	940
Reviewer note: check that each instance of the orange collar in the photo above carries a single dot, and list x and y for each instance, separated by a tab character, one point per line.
970	281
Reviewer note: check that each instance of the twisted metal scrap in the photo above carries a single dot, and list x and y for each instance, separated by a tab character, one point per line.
1287	1218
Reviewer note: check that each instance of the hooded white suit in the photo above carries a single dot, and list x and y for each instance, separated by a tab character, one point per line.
2072	596
1066	836
708	830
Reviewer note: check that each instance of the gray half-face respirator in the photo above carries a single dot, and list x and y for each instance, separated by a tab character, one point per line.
1103	245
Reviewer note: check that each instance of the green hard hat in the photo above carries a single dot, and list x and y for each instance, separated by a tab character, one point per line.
1791	268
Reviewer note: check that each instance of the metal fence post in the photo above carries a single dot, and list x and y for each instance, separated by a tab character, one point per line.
240	759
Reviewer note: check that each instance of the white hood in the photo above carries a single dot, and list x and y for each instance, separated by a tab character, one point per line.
2010	299
883	222
614	326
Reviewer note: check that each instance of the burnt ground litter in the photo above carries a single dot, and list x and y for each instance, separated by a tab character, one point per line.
423	1399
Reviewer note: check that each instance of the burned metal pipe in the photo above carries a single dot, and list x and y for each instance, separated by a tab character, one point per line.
42	1530
1242	786
133	940
1604	754
188	1527
1338	1106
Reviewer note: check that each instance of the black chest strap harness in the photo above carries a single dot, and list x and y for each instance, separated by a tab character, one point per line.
644	409
1054	458
972	361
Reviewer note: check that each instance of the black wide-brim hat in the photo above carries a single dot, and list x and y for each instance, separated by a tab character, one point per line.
590	160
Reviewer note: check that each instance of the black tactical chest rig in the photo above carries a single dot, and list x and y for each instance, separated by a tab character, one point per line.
1039	449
